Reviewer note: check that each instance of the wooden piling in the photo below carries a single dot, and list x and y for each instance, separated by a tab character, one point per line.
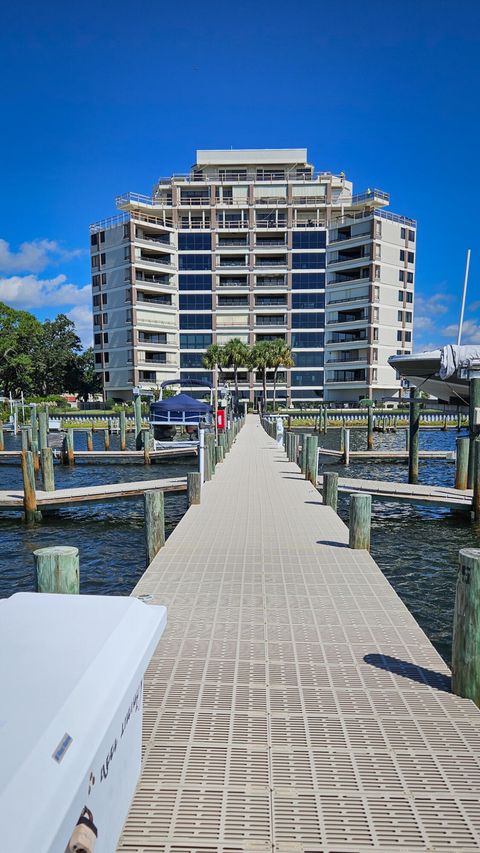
29	496
473	428
461	463
36	457
476	480
369	428
147	444
24	438
89	439
154	509
68	453
34	422
295	449
360	521
312	459
218	454
414	427
42	430
303	453
137	407
194	486
106	438
29	437
57	570
466	627
123	431
330	489
346	447
48	477
2	440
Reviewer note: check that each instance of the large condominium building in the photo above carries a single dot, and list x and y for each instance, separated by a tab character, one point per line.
254	245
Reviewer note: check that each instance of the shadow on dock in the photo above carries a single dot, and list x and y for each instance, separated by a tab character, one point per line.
429	677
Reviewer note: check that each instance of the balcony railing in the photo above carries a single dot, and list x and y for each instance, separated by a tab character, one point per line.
271	262
154	260
232	244
232	282
271	282
348	299
265	303
349	318
232	262
346	338
192	202
270	321
163	241
239	225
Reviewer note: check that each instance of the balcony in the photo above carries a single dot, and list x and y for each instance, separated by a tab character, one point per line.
354	275
237	225
347	337
269	244
348	317
346	376
157	299
240	281
280	261
195	201
158	260
231	262
233	302
265	320
161	239
153	280
362	298
266	224
358	356
232	242
271	281
358	253
265	302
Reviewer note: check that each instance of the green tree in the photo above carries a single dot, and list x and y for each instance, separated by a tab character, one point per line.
80	377
261	358
281	357
20	335
54	355
236	354
214	358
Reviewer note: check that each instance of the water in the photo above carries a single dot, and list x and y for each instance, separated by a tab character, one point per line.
415	546
109	536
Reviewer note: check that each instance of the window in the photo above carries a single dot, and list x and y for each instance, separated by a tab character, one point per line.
129	355
308	321
377	272
307	377
104	319
126	253
408	316
194	262
102	258
96	301
191	359
202	377
148	375
307	395
403	233
195	282
411	257
400	335
411	236
308	359
97	320
402	254
107	376
126	231
98	358
128	294
152	337
94	240
374	354
375	334
309	240
376	294
308	300
195	302
378	228
195	341
409	296
128	315
195	321
400	316
400	295
194	241
308	261
96	281
102	236
401	275
374	374
106	357
378	251
308	281
408	337
97	339
104	278
105	337
410	277
307	339
156	357
95	261
104	298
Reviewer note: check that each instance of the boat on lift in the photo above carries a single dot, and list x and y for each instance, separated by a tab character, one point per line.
444	373
181	410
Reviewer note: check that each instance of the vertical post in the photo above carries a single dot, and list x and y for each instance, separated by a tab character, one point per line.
146	441
330	489
346	447
48	478
201	452
211	451
466	627
2	441
461	463
24	436
30	439
123	430
407	440
36	456
34	422
42	430
218	454
89	439
476	480
414	424
459	419
70	447
295	451
369	428
473	427
360	520
193	487
57	570
303	453
312	459
154	510
29	496
106	438
137	405
325	419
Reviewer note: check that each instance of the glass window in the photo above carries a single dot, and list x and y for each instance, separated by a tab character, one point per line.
308	280
411	236
195	321
195	282
408	337
202	377
308	261
307	339
308	300
152	337
400	295
308	359
402	233
195	302
409	296
307	377
308	321
194	262
195	341
194	241
411	257
98	339
309	240
307	395
399	335
401	275
191	359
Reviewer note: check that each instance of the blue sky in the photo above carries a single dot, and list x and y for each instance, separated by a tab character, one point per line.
100	98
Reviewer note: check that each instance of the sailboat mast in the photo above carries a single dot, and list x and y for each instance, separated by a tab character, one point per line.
462	311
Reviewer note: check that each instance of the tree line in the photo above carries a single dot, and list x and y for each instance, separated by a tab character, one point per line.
262	356
43	358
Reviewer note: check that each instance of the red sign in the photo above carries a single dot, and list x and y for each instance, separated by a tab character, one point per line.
220	418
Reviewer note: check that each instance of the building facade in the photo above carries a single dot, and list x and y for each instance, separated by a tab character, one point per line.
254	245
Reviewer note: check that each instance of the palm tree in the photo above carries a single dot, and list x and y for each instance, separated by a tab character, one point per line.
214	358
261	358
236	354
281	357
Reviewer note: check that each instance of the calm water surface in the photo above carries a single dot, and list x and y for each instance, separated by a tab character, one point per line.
416	547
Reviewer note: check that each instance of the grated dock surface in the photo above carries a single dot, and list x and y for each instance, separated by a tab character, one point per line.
293	703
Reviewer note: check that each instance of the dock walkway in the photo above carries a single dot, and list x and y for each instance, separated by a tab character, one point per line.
421	493
293	704
13	498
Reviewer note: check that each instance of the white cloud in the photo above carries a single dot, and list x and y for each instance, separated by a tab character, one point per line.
470	332
29	292
34	256
82	317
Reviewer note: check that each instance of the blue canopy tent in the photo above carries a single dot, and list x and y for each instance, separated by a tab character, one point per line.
180	410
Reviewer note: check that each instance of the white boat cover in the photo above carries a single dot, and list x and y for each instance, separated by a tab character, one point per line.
452	356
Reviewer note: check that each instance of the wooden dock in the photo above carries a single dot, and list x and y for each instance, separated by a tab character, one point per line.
293	704
388	455
13	499
113	455
405	492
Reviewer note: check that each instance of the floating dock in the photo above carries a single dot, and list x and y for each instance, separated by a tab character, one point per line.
293	704
113	455
406	492
13	499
